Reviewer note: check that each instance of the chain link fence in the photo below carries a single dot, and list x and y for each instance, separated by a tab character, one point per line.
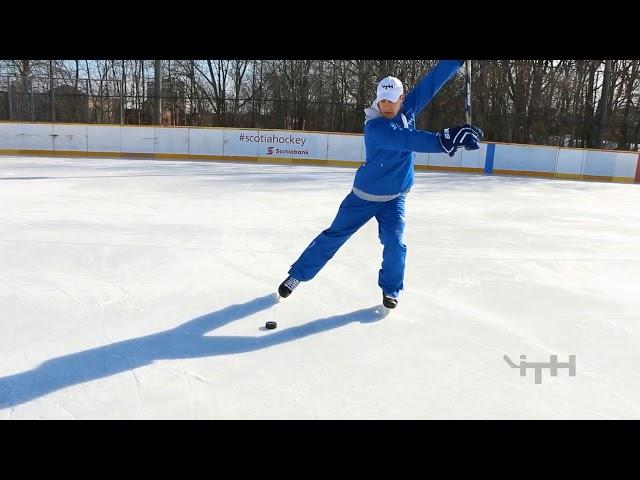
45	99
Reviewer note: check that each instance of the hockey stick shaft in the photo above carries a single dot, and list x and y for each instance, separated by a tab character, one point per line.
467	91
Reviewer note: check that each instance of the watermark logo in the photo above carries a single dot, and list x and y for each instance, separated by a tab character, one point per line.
553	365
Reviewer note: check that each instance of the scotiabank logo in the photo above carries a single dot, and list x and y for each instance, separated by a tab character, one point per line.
286	151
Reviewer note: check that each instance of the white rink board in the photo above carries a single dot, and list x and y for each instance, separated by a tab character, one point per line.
70	137
570	161
474	158
172	140
523	158
625	165
102	138
289	144
421	158
26	136
444	160
205	141
138	140
600	164
345	147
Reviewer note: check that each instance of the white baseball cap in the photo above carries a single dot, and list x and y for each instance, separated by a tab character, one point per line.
389	88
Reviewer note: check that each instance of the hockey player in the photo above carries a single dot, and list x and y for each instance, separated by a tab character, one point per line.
382	182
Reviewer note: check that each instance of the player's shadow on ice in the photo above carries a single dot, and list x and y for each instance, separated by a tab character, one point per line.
185	341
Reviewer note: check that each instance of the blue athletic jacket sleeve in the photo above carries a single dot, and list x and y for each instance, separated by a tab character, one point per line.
430	85
385	135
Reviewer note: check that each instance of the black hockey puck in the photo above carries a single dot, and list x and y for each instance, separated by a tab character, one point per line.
270	325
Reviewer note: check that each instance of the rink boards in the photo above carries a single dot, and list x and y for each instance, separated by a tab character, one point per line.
299	147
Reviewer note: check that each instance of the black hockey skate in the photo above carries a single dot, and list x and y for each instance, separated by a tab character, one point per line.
389	301
288	286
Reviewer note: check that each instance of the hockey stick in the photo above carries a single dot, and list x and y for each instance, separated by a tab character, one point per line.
467	91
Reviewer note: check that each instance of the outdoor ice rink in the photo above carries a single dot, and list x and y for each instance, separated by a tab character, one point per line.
139	289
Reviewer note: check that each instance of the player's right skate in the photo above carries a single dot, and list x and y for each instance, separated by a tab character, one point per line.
288	286
388	301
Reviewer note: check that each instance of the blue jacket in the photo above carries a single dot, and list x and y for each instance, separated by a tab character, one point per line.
388	168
